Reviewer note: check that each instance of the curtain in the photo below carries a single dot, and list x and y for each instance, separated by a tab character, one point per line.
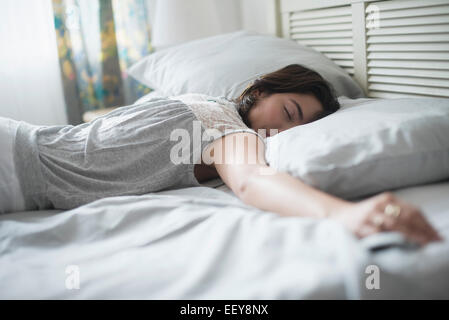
98	40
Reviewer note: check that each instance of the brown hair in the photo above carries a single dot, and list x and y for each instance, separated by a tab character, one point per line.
293	78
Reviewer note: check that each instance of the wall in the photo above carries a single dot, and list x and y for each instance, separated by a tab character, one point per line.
255	15
30	84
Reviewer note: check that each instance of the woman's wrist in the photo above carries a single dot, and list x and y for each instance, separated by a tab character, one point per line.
333	206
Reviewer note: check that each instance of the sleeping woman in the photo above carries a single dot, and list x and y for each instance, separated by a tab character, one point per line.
182	141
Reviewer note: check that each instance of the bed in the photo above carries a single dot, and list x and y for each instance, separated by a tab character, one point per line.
204	243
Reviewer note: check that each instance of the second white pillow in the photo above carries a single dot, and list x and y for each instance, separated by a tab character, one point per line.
224	65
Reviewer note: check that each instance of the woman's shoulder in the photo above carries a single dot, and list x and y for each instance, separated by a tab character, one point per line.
203	97
192	96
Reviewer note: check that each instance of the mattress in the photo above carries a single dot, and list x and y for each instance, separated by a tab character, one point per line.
204	243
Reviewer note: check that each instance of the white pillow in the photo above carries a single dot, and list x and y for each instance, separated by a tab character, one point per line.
368	146
224	65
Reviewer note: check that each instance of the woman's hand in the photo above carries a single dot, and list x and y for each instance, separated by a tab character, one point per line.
368	216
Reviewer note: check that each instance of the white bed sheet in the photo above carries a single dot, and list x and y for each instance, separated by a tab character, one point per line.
204	243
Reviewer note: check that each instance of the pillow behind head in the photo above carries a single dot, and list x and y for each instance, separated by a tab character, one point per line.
224	65
368	146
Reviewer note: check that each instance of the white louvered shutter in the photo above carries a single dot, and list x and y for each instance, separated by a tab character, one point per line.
326	30
408	55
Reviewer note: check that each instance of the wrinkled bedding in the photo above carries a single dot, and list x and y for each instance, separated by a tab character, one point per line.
204	243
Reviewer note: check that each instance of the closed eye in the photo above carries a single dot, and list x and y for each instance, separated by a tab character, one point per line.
288	114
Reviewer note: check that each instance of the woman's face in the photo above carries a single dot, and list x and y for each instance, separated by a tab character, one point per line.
283	111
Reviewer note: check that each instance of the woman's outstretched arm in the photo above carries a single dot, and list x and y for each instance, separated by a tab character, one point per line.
240	161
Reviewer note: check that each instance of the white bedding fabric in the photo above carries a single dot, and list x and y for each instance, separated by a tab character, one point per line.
11	196
203	243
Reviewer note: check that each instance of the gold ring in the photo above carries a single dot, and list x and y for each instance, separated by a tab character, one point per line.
392	210
378	221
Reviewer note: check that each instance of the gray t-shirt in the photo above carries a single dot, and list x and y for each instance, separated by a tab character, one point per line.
125	152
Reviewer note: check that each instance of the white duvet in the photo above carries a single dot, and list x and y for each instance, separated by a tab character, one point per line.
203	243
